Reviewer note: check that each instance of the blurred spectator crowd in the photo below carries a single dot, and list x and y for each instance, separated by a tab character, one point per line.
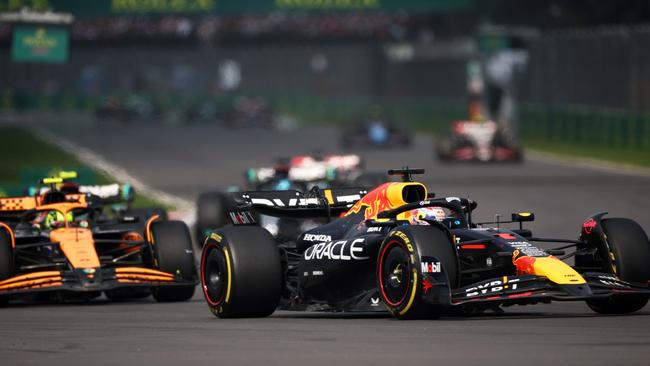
355	25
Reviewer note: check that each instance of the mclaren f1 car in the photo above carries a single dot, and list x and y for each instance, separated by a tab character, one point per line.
399	248
59	245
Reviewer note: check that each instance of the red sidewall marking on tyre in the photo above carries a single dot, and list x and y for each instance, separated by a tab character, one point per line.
204	287
381	270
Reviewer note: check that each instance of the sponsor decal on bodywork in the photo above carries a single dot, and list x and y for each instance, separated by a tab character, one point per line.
527	249
293	202
317	237
492	287
430	267
343	250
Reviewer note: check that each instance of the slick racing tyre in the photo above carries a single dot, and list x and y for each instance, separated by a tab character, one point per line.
402	257
630	252
172	248
241	272
6	260
211	213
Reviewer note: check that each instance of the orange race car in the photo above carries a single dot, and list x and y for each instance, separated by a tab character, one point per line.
61	245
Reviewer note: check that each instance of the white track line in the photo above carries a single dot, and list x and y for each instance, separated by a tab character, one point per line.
184	209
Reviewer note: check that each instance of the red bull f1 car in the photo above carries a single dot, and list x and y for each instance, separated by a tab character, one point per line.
478	141
398	248
60	245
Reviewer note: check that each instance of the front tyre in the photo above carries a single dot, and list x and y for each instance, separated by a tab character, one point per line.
6	260
402	283
630	255
172	247
241	272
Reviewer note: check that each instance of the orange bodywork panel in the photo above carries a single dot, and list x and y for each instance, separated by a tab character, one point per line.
36	202
142	270
149	222
140	275
40	279
18	203
78	246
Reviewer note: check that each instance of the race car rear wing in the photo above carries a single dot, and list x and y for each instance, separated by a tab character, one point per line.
315	203
107	193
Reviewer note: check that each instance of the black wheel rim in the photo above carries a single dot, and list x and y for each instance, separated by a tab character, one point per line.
214	276
395	267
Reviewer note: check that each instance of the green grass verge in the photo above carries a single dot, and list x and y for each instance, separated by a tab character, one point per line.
626	155
618	136
25	158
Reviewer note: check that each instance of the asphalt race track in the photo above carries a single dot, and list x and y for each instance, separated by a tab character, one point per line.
185	161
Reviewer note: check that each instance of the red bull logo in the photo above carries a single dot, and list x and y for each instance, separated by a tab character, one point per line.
385	197
550	267
374	202
589	226
524	264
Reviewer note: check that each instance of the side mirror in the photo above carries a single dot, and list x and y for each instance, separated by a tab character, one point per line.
523	216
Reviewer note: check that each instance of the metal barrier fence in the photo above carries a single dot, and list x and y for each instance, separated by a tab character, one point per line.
581	86
607	67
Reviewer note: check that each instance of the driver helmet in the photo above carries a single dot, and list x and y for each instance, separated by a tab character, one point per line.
420	216
54	219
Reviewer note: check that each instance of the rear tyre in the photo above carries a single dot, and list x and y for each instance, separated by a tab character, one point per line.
630	249
6	260
241	272
211	212
399	275
172	248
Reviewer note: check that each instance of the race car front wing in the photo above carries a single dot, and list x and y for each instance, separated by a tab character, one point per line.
529	288
84	280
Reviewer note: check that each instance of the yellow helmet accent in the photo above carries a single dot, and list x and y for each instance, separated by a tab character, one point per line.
56	216
68	175
52	180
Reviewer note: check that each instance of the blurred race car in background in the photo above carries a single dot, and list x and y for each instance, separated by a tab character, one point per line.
376	130
375	133
133	108
61	245
301	173
398	248
249	112
481	141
